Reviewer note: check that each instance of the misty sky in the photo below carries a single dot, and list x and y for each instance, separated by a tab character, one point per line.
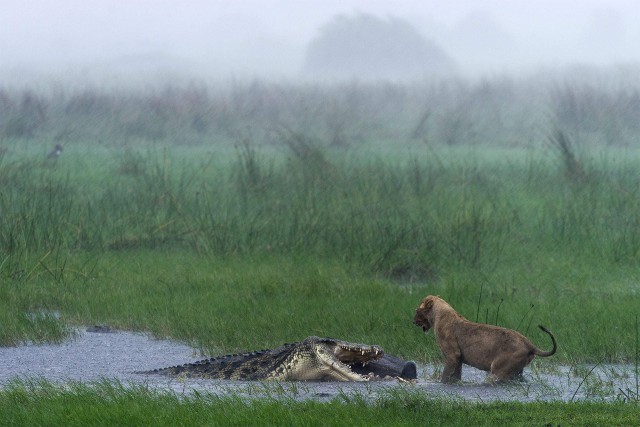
268	37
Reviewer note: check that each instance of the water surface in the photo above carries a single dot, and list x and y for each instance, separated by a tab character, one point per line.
94	356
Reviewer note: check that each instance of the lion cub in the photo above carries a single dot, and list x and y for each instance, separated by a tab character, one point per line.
502	352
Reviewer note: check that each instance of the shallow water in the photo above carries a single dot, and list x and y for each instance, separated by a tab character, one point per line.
93	356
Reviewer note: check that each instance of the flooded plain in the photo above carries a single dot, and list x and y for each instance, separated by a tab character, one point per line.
115	355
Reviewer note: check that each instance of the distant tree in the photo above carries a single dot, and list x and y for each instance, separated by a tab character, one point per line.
368	47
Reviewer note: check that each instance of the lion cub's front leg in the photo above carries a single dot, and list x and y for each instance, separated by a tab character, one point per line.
452	369
448	344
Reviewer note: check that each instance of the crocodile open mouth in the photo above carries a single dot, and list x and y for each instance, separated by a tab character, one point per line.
359	353
370	363
337	358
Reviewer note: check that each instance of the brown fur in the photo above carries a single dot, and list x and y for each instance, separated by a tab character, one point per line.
502	352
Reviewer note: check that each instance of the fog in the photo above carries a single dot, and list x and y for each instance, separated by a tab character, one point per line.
113	39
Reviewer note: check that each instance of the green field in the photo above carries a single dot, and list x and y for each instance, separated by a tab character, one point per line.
241	242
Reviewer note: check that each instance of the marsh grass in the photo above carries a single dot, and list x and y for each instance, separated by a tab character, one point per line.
105	402
566	150
631	394
403	218
193	245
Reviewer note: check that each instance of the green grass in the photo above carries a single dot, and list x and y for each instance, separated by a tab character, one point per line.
247	248
215	251
108	403
252	302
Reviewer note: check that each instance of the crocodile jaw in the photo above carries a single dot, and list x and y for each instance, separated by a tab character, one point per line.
331	361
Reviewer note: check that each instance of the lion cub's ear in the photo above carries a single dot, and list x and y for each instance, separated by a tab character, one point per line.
427	303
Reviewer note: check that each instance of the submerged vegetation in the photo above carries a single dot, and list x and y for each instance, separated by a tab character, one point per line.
245	217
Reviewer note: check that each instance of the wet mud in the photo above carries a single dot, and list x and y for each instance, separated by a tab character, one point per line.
107	354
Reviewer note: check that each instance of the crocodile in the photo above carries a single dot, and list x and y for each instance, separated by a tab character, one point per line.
313	359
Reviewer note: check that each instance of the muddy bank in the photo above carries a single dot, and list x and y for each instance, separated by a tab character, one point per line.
101	354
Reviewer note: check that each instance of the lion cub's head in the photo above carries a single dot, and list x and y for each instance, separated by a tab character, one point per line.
423	313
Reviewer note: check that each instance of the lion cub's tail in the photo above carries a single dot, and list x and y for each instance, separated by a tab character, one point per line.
551	352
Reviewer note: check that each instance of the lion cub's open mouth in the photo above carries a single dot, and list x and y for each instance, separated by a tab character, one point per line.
424	323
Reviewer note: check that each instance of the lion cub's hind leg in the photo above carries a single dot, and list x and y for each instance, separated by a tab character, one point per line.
508	368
